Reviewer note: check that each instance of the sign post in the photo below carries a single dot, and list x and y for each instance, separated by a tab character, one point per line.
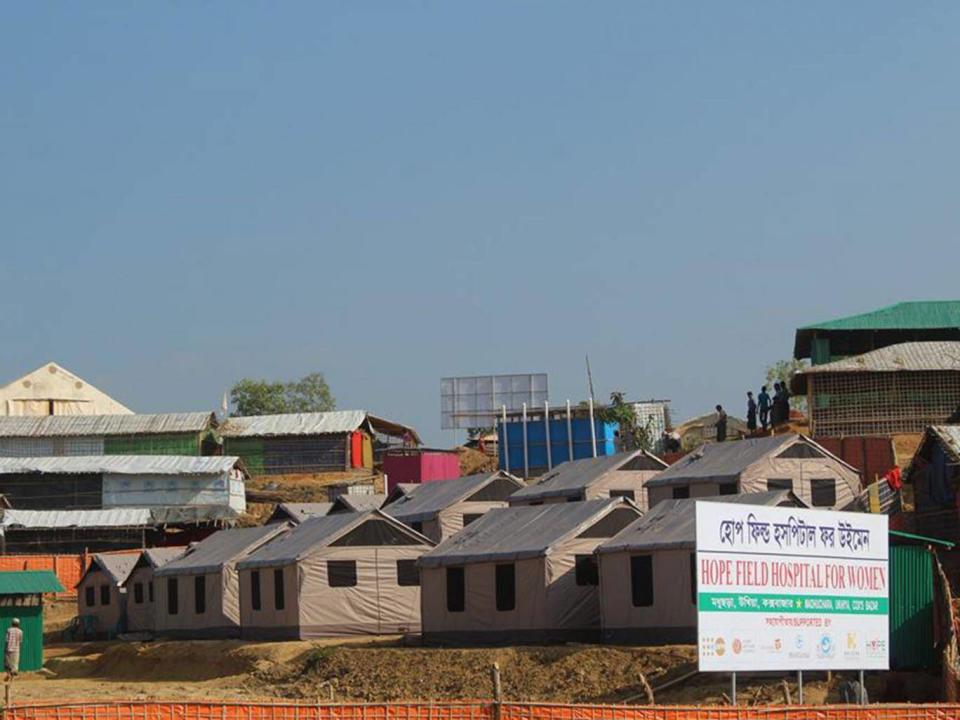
791	589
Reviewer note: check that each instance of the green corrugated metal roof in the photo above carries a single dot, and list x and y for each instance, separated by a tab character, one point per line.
25	582
919	315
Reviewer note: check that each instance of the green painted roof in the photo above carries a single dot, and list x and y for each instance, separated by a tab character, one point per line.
920	315
26	582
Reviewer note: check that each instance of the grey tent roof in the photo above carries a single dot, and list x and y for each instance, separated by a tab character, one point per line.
357	503
570	478
314	533
719	462
100	425
671	524
519	532
400	491
298	512
432	497
118	566
156	558
221	549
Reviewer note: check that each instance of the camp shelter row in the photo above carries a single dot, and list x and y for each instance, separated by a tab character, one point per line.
267	444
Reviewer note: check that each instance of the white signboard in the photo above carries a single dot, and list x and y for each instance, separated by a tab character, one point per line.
791	589
476	401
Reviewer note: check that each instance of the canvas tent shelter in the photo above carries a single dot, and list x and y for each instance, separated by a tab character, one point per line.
101	596
647	571
904	322
779	462
311	442
296	513
140	589
896	389
621	475
21	596
53	390
114	481
349	503
703	429
441	509
520	574
162	434
197	595
350	574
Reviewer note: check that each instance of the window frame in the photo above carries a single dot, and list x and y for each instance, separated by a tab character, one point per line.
406	574
456	591
138	593
90	596
279	591
173	596
104	595
586	568
200	594
256	592
820	483
505	586
345	566
641	596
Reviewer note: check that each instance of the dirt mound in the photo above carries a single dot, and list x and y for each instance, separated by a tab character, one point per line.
558	674
174	661
473	461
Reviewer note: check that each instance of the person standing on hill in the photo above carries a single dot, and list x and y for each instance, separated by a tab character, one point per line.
777	405
751	412
721	424
764	405
11	649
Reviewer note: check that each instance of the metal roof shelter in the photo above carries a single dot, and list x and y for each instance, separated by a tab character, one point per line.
120	465
22	597
897	389
857	334
594	478
129	424
320	423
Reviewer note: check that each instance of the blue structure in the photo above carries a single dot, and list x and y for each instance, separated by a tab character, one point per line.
559	444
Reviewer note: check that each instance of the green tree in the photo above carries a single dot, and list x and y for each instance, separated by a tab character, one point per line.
783	371
634	435
263	397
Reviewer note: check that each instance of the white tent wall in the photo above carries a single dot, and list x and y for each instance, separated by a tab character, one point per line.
221	617
634	480
106	618
140	615
571	607
802	471
697	489
270	623
53	390
672	618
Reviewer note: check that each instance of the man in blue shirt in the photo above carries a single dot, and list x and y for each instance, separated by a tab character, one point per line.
763	401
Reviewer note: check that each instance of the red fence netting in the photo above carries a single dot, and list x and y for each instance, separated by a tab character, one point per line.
465	711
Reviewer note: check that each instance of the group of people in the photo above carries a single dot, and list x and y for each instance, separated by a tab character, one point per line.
772	411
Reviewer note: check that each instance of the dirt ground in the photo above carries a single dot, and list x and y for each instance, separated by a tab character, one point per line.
385	670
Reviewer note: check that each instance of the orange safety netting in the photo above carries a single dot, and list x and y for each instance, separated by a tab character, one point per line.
465	711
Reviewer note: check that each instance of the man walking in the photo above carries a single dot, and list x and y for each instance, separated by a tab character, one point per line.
751	412
764	406
11	649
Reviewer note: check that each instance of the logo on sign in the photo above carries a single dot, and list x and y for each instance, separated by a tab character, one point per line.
825	647
720	647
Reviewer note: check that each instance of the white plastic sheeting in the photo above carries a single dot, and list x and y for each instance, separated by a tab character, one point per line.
117	517
120	465
99	425
173	490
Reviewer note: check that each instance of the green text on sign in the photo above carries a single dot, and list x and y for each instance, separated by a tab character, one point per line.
752	602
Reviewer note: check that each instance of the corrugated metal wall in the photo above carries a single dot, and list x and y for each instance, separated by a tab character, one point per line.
911	608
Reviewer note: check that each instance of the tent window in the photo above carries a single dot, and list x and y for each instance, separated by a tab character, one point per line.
342	573
138	593
628	494
91	595
200	594
641	580
150	591
506	576
823	493
471	517
173	596
255	589
279	601
681	493
779	484
728	488
104	594
417	527
586	569
456	589
407	573
693	578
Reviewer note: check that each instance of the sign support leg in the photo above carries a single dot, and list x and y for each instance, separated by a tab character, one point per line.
800	687
863	690
733	688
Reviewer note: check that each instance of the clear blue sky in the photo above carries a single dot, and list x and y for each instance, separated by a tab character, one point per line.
393	192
